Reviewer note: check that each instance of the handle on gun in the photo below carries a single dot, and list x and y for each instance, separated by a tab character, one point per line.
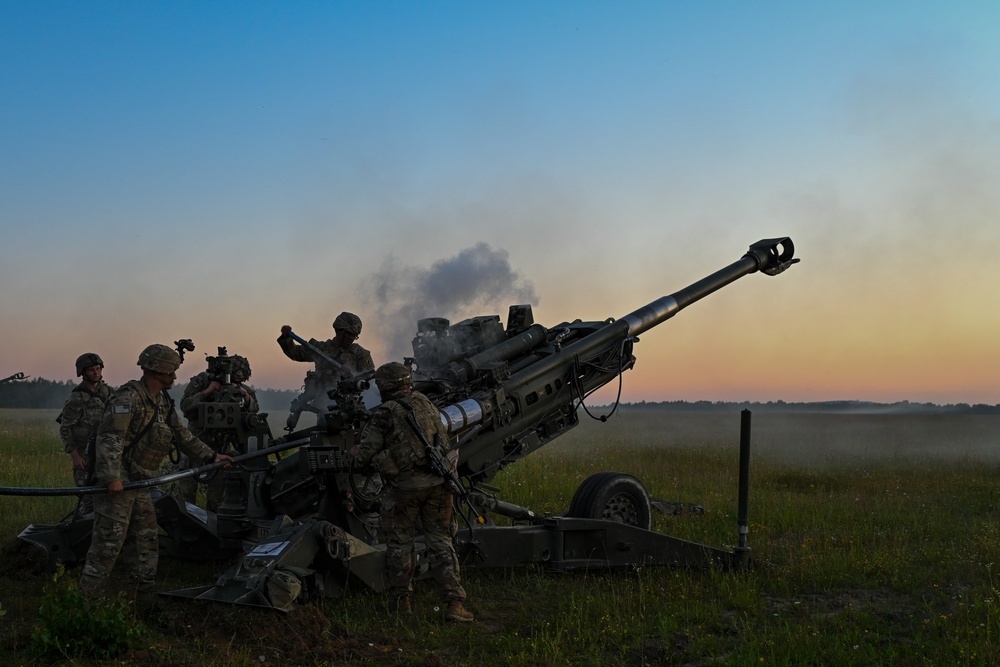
336	364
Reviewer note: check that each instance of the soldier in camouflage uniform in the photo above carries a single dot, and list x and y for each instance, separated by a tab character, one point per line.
342	348
416	494
206	388
139	428
79	419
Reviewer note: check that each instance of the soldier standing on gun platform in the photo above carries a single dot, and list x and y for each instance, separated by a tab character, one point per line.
139	428
392	445
79	419
205	387
342	348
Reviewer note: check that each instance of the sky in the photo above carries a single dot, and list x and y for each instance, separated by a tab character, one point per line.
215	170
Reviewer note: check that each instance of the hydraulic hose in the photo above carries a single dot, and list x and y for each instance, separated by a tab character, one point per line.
147	483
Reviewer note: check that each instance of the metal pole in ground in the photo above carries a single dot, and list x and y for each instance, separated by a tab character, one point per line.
743	507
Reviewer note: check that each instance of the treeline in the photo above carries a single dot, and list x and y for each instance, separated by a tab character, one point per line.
854	407
50	394
39	393
35	393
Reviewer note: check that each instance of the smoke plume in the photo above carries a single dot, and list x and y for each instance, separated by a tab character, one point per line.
477	281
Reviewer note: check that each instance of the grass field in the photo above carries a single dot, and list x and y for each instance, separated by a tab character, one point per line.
875	541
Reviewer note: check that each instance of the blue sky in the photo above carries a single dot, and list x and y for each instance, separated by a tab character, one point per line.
216	170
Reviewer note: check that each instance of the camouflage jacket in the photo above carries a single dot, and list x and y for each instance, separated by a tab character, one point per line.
390	444
192	397
81	415
354	358
129	412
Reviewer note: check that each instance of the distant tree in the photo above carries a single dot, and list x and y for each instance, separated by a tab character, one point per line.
845	407
39	393
36	393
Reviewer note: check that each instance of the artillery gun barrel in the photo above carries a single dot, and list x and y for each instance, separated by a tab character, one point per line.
770	256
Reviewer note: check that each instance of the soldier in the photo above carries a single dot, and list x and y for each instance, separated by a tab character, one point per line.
342	349
391	443
79	419
139	428
207	387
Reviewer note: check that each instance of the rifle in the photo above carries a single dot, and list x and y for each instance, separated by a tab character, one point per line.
91	457
440	464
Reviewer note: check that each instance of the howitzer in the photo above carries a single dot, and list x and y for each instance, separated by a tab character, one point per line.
13	378
525	389
310	523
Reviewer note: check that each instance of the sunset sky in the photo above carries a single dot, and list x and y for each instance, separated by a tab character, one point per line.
212	171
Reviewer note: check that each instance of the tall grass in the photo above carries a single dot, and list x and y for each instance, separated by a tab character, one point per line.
31	455
878	554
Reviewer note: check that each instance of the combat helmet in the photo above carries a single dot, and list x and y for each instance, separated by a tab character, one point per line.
392	377
240	370
159	359
348	323
86	360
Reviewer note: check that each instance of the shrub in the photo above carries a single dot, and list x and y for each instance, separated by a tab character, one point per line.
74	626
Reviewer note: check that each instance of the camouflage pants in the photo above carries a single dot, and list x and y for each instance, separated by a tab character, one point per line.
124	524
434	509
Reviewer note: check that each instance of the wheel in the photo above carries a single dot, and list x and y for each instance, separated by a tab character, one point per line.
614	496
371	490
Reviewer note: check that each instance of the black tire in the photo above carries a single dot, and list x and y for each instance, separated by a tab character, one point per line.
613	496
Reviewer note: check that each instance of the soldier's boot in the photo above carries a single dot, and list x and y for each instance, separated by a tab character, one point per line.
458	613
404	606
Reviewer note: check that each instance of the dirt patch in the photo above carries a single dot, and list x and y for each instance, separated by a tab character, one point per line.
300	637
892	608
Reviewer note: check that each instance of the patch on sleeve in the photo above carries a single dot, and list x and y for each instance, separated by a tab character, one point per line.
121	415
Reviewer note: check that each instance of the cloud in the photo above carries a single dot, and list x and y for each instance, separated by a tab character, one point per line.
478	280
